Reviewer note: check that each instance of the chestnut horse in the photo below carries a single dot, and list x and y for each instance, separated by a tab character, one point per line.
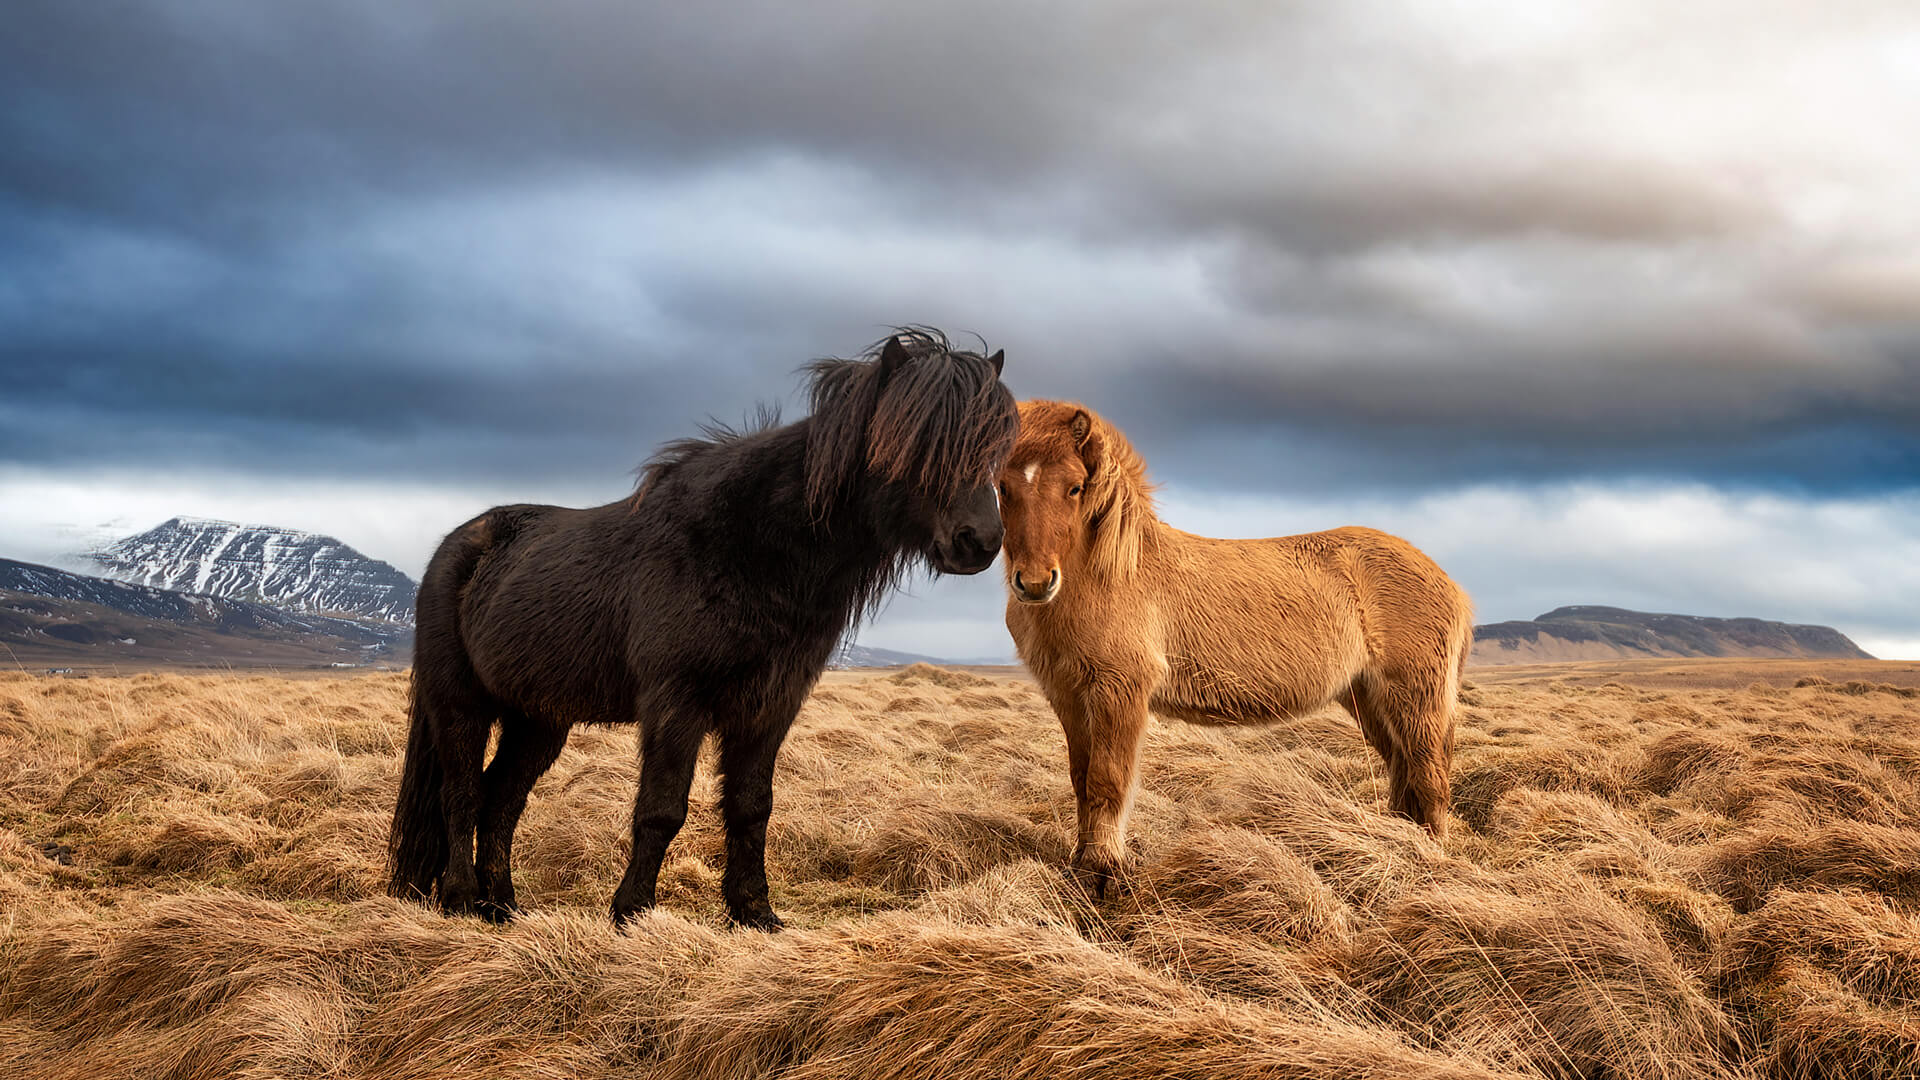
1118	614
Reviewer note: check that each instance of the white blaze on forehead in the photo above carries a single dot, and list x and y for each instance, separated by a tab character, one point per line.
1032	471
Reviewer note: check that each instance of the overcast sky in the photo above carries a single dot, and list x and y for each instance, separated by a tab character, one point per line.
1604	303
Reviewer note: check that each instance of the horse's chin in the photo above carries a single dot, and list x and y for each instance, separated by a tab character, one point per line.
944	563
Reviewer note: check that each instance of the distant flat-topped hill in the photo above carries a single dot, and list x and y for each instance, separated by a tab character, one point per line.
854	656
1594	632
288	568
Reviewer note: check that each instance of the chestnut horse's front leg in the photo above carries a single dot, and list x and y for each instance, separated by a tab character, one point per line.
1104	730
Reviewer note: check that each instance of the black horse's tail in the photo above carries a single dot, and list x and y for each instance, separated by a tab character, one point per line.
417	841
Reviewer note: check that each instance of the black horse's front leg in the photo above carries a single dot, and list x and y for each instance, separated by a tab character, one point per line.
746	801
668	753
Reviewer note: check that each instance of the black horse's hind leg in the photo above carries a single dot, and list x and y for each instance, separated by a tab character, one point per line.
527	750
460	729
746	801
670	747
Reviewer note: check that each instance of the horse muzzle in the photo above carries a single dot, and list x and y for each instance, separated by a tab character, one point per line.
1029	592
967	552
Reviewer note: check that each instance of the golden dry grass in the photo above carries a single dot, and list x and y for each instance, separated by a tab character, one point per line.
1649	882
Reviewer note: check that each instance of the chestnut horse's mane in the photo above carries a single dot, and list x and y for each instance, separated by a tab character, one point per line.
1118	501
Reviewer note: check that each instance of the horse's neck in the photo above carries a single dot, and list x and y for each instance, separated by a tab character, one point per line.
832	558
1131	527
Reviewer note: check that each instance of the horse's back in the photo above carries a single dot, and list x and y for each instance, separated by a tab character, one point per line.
1414	613
1242	589
1260	629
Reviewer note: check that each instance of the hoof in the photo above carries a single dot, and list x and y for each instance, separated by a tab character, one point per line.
497	912
626	915
456	900
759	918
1098	875
755	915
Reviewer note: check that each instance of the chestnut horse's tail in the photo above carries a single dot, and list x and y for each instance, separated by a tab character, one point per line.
417	842
1463	648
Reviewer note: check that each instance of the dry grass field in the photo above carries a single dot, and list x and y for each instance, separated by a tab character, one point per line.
1665	873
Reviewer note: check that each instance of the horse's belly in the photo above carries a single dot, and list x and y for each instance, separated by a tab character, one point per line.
584	687
1221	698
559	663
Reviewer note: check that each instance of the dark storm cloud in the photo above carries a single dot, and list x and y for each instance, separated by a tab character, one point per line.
230	100
1285	245
1688	410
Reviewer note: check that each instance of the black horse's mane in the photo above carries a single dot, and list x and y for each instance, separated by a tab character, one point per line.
940	423
938	427
677	452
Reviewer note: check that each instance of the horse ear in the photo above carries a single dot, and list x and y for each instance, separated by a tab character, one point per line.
998	360
1080	426
1092	449
892	355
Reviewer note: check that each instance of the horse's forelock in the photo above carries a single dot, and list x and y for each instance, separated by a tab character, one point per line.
940	423
1045	434
944	423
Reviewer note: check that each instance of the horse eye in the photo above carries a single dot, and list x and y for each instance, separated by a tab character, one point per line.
1074	490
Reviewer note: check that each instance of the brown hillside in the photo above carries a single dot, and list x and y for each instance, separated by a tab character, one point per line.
1644	881
1596	632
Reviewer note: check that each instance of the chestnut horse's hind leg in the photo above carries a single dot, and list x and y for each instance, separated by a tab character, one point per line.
669	748
1428	749
1368	709
1107	726
527	750
1420	720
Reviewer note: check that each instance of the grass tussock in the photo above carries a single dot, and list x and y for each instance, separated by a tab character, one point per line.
1747	868
924	843
1699	882
1559	982
1835	977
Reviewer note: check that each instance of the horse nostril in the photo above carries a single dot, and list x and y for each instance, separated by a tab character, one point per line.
1034	592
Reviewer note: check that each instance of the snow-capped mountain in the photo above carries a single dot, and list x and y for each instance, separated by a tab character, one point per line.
286	568
170	606
52	615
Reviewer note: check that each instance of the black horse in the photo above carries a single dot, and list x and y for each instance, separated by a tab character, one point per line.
707	602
